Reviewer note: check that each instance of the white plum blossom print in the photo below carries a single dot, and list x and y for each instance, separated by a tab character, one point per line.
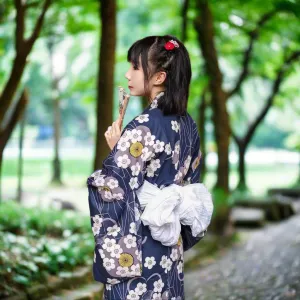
112	183
108	286
133	182
158	286
146	154
123	144
163	261
168	265
122	271
179	267
108	263
96	173
141	288
138	254
150	171
135	269
149	139
175	126
126	135
109	244
113	281
96	229
97	220
178	176
155	164
142	118
118	196
168	149
158	146
150	262
174	254
136	135
177	148
101	252
99	181
108	195
135	169
94	256
123	161
113	230
132	228
130	241
133	295
116	251
156	296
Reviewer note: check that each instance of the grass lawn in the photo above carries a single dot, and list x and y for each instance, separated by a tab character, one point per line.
38	174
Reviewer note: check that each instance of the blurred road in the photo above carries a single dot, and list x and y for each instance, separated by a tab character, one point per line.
265	267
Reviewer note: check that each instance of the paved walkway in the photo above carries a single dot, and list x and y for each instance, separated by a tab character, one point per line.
265	267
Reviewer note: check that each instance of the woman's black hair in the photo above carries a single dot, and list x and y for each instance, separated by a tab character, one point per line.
176	63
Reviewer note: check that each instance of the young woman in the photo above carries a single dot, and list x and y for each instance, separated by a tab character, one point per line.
147	205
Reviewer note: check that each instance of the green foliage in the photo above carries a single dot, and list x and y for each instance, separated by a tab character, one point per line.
51	241
19	220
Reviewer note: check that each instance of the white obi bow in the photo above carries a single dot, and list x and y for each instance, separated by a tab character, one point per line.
166	208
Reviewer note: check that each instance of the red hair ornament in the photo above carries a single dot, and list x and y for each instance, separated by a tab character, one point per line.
170	45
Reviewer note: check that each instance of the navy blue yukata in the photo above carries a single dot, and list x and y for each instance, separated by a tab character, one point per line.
132	265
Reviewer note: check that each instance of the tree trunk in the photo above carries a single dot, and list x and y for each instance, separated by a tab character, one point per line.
201	122
12	84
10	124
204	27
20	165
56	177
242	185
105	87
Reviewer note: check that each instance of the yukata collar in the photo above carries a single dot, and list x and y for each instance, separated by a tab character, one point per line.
154	102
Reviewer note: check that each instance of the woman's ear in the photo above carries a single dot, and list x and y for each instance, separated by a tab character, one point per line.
160	78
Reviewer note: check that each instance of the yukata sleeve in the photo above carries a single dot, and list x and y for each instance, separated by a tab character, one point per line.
193	176
114	208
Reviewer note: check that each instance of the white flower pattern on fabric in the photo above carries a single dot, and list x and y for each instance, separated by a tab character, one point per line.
113	230
123	161
136	135
109	244
150	262
132	228
175	126
133	182
158	286
136	169
108	263
149	139
141	288
130	241
116	251
174	254
168	149
142	118
133	295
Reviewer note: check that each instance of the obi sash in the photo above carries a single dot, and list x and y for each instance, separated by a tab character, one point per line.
167	208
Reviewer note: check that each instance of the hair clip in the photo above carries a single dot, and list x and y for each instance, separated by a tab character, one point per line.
170	45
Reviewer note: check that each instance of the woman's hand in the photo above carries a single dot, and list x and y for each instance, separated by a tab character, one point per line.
113	133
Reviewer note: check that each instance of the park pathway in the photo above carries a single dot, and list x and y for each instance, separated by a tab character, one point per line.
265	267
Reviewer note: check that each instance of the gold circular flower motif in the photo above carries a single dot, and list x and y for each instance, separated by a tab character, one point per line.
105	188
136	149
125	260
